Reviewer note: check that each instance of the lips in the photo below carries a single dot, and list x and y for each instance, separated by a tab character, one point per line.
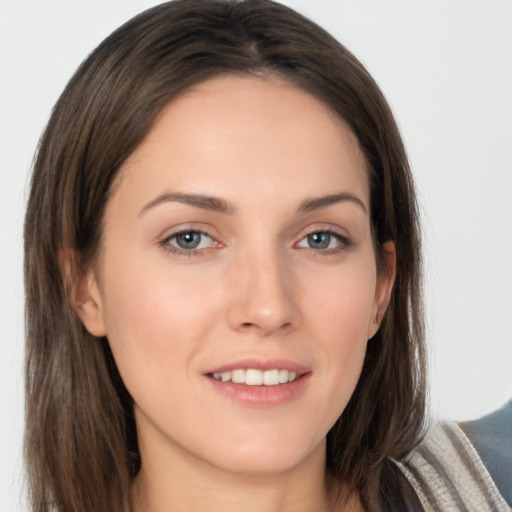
258	383
261	364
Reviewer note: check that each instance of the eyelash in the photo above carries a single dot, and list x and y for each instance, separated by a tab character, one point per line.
343	243
166	243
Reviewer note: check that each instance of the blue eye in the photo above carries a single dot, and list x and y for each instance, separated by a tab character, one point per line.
319	240
190	240
322	240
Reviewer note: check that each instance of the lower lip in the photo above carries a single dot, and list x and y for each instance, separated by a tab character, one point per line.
261	396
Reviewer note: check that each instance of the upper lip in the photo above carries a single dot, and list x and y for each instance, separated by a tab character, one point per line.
261	364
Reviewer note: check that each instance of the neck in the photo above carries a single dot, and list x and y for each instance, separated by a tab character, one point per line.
187	484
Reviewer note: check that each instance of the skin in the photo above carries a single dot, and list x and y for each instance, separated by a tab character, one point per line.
254	288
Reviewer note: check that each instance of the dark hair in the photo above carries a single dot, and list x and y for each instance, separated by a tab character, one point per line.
81	444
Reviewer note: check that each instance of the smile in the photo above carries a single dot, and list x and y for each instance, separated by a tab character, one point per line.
254	377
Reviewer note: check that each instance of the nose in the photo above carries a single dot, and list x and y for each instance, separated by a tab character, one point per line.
264	300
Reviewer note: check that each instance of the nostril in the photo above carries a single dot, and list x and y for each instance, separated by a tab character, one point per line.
251	325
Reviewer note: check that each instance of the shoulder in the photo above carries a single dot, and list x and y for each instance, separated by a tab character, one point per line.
492	438
448	474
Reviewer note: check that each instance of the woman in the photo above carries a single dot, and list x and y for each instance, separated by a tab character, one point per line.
223	277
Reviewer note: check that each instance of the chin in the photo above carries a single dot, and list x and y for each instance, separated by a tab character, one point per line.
271	456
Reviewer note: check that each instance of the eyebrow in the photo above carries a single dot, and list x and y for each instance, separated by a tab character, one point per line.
213	204
218	205
322	202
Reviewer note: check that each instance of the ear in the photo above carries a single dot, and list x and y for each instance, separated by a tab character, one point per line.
83	293
385	281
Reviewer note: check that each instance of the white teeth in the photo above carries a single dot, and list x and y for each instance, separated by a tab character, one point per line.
283	376
252	377
238	376
271	377
225	376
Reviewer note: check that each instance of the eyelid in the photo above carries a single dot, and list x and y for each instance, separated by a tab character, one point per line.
335	230
186	227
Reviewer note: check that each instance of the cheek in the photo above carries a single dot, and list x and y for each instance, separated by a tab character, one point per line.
341	301
155	319
339	318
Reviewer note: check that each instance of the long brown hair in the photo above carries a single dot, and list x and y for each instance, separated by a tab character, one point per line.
81	443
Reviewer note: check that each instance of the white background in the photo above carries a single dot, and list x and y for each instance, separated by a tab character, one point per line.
446	68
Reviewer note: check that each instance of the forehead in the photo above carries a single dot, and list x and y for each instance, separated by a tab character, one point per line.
253	134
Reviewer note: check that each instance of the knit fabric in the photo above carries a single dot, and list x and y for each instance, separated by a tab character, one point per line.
449	476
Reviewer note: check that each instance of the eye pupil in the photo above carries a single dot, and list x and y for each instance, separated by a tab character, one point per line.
319	240
189	240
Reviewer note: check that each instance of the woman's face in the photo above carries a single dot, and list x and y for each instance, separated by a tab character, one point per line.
236	281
